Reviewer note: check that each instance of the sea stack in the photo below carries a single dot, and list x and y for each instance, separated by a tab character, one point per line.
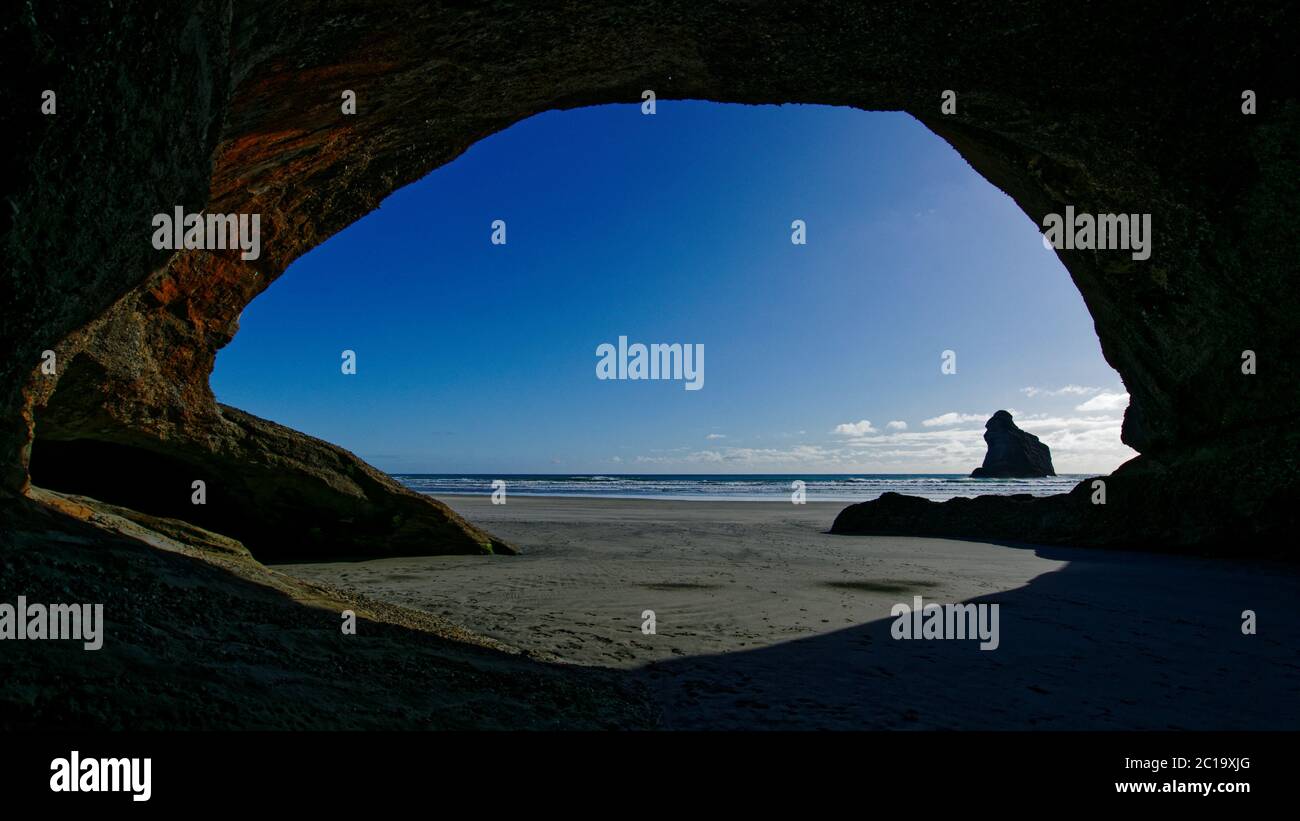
1012	453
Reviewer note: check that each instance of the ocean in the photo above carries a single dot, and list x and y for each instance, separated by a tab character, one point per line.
734	487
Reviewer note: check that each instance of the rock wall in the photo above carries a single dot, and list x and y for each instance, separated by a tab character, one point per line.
235	107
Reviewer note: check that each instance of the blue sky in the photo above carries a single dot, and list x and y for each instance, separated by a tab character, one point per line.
675	227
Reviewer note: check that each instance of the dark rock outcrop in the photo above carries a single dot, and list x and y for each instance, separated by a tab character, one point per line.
1012	453
284	495
1181	505
202	637
237	109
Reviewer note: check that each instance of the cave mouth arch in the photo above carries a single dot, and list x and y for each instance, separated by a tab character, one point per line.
677	224
250	123
914	171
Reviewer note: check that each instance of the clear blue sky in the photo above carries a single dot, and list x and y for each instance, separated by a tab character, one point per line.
675	227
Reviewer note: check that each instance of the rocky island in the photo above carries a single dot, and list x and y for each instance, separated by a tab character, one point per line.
1012	453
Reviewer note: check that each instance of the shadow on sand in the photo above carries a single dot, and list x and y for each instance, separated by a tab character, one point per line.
1112	641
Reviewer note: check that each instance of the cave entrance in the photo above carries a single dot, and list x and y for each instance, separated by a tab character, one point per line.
865	298
412	336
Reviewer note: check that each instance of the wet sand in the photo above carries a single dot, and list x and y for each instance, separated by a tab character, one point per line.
762	619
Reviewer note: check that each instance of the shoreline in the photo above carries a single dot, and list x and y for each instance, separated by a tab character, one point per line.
842	489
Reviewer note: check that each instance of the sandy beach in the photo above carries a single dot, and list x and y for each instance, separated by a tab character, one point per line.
762	619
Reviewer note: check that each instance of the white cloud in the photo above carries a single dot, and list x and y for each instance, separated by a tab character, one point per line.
1082	443
897	425
1043	422
1068	390
954	418
691	458
1104	402
861	428
716	436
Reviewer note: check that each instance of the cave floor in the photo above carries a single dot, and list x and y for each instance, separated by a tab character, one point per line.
765	620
